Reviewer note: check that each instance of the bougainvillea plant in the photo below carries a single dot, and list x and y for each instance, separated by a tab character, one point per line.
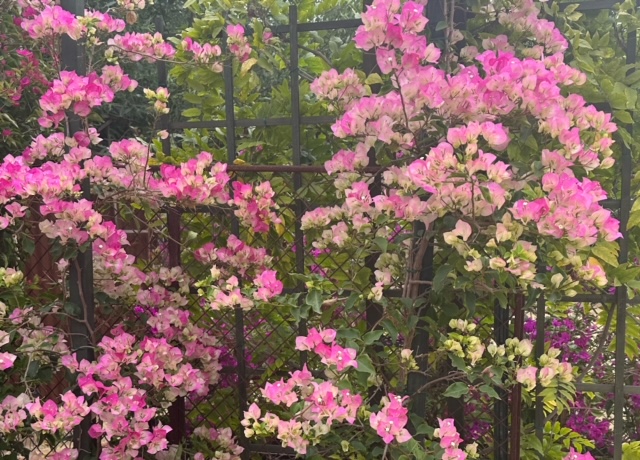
485	147
490	162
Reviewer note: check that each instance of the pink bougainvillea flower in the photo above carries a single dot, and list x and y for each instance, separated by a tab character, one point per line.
6	361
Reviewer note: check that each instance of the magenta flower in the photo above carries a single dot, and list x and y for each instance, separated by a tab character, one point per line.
6	361
390	421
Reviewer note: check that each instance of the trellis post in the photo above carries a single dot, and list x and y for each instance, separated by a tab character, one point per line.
82	321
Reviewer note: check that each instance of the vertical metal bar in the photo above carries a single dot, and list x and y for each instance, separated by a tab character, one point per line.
295	86
435	12
73	58
621	291
373	310
230	120
81	325
516	394
163	79
242	376
177	410
501	407
296	146
539	351
420	343
240	349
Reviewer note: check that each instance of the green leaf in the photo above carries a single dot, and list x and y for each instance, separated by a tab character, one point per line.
366	365
314	299
382	243
489	390
622	97
71	308
441	25
470	302
32	370
28	246
351	301
458	363
193	112
456	390
634	217
348	333
247	65
388	326
373	79
623	116
607	252
363	277
370	337
440	277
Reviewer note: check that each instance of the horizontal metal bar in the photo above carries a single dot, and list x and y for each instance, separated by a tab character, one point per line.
318	169
598	298
287	169
253	122
607	388
317	26
295	169
602	106
269	449
592	298
611	203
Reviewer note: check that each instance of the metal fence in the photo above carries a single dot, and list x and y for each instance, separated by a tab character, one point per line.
257	337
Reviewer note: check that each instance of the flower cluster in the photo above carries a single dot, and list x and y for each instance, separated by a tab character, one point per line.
24	333
322	343
570	210
139	46
10	277
463	345
573	455
159	99
318	404
237	42
22	75
527	376
223	286
466	173
254	205
96	21
119	383
54	21
203	53
339	88
450	441
51	417
224	445
133	4
347	160
13	411
524	20
391	420
80	94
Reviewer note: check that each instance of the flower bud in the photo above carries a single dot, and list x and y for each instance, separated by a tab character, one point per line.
131	17
497	263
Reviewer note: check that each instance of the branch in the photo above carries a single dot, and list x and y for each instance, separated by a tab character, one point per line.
450	376
600	348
